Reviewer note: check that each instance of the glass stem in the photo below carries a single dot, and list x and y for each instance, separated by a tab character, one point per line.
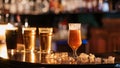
75	54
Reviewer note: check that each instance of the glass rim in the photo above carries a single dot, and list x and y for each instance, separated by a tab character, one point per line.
29	28
45	30
74	26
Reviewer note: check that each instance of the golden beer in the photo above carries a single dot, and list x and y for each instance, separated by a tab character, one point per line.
29	37
45	35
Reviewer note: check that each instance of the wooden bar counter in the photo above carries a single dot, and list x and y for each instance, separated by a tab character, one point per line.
16	62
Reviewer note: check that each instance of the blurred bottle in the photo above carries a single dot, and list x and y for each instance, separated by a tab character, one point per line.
55	6
13	7
94	5
100	5
89	6
19	25
6	18
63	4
6	6
20	6
26	23
68	5
105	7
117	6
80	5
2	19
45	7
26	6
84	6
1	6
38	6
12	19
32	6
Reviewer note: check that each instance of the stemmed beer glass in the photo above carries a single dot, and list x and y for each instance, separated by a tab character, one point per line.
74	37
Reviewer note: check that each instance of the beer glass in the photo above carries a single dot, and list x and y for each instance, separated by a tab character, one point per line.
45	35
11	38
74	37
29	38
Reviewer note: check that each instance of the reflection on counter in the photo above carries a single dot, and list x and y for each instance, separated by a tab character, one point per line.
58	58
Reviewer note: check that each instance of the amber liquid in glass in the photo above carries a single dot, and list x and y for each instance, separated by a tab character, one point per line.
74	39
30	39
45	41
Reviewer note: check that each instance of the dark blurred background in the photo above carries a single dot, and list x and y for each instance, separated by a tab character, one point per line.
100	20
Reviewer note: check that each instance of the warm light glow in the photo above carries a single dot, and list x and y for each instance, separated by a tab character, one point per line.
9	26
2	29
12	52
2	32
3	48
32	43
26	24
3	51
32	57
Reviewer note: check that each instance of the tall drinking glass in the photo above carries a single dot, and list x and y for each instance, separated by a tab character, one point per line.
11	38
74	37
29	37
45	35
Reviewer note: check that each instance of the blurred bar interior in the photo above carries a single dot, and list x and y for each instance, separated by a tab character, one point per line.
100	21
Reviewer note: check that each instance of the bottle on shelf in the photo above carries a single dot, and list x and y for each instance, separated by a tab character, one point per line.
7	15
13	7
26	23
2	19
26	7
19	25
105	6
38	6
20	6
45	9
54	6
12	19
89	6
94	5
6	6
32	6
1	6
